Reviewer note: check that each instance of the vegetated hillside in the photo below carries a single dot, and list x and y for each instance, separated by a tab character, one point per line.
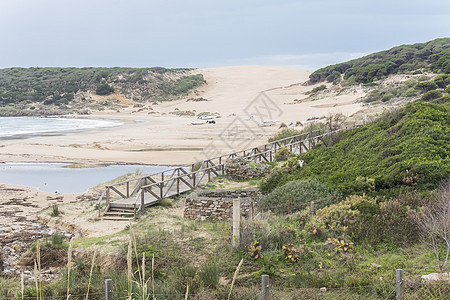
30	89
405	149
433	56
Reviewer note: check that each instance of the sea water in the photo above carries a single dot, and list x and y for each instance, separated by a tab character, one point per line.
55	178
24	127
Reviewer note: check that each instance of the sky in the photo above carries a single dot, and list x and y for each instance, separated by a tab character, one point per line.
210	33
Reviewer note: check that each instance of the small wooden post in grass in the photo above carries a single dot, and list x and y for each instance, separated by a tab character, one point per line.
265	287
399	284
312	208
236	221
108	289
253	211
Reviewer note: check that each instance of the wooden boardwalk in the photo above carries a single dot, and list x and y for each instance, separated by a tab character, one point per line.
125	198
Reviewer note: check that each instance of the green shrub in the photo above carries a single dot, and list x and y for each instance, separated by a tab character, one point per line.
319	88
386	97
104	89
334	77
410	83
447	90
431	95
365	219
209	274
405	149
426	86
283	154
423	78
299	193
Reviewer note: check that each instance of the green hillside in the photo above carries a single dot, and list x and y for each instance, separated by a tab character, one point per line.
25	89
433	56
405	149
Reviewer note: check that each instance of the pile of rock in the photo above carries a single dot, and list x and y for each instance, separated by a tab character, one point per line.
243	168
218	204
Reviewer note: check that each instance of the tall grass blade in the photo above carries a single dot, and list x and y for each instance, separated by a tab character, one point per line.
69	265
90	274
22	285
36	280
153	276
143	283
234	277
129	268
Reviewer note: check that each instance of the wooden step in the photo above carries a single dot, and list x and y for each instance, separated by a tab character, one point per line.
118	213
116	219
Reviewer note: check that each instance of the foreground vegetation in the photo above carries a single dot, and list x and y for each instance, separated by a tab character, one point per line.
373	219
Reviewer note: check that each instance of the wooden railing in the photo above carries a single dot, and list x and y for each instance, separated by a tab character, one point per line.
180	179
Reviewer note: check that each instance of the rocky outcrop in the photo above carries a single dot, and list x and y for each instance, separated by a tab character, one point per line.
243	168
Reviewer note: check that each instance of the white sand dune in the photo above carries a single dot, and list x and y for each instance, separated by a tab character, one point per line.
167	139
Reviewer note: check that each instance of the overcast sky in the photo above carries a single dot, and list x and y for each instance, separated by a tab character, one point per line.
206	33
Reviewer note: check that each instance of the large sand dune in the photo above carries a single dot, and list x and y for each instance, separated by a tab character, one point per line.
154	135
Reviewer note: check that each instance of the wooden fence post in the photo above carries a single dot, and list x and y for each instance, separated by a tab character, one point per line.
311	211
236	221
253	211
107	196
108	289
399	284
265	287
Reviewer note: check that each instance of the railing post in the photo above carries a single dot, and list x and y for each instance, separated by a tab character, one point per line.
209	171
236	221
265	287
399	284
193	179
178	181
128	189
107	196
142	200
108	289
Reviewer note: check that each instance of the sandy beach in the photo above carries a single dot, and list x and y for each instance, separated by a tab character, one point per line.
162	133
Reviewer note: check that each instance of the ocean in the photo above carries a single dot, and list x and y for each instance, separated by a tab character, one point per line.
25	127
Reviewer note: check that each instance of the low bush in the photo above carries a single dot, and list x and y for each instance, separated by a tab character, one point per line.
283	154
319	88
104	89
431	95
365	219
296	195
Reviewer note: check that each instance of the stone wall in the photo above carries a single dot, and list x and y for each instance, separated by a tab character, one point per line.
218	204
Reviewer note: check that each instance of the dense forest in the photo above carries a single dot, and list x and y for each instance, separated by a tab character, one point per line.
433	56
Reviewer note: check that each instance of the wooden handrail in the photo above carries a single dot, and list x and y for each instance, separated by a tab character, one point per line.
209	167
